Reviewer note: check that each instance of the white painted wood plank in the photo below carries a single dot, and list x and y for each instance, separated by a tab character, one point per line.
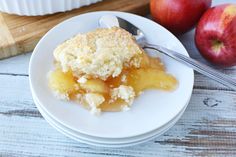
217	2
15	65
207	127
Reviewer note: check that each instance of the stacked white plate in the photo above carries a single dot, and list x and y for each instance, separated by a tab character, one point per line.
152	113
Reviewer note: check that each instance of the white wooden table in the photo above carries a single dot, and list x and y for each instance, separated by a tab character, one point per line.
207	128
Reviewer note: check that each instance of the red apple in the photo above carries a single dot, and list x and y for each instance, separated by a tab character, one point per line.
215	35
178	16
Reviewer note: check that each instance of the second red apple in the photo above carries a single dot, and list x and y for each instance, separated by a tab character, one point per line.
216	35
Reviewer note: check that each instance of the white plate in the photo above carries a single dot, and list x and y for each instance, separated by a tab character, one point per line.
149	112
105	141
100	143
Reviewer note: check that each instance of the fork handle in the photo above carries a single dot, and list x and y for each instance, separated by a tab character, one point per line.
194	64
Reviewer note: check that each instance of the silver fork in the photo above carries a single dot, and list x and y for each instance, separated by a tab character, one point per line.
110	21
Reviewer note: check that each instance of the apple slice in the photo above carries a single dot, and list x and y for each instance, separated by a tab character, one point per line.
142	79
116	106
62	82
151	62
95	86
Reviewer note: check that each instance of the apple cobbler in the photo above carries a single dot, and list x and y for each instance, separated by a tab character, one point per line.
104	70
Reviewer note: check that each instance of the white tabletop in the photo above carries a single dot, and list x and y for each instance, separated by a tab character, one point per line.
207	128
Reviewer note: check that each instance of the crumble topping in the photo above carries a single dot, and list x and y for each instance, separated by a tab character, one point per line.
123	92
61	96
82	80
125	108
94	100
124	79
100	53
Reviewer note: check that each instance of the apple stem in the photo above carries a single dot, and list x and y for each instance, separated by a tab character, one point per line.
217	45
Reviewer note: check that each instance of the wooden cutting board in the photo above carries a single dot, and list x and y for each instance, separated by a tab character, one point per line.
20	34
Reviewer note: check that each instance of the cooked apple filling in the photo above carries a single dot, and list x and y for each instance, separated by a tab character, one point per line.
104	70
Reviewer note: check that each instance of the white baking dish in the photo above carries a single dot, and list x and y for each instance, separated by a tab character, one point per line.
41	7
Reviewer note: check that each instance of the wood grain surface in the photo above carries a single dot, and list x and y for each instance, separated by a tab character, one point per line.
207	128
19	34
